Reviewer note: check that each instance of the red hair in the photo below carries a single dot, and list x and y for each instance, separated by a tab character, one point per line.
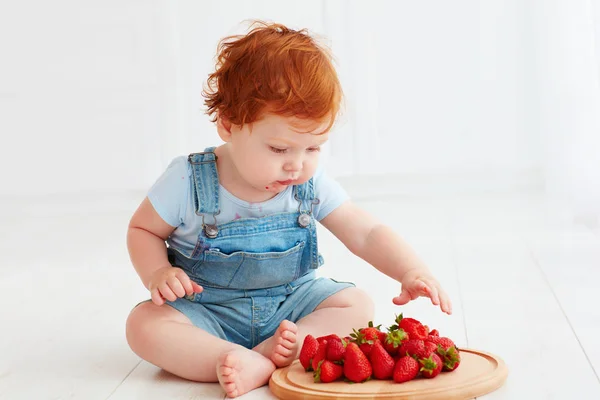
272	69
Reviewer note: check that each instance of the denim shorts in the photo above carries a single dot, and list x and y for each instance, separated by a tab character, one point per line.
248	317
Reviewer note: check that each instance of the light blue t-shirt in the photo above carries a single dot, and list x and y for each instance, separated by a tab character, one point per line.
172	198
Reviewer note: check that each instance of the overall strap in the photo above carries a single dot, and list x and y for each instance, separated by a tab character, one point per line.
206	181
305	194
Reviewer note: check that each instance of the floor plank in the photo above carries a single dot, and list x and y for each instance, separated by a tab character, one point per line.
511	309
150	382
570	262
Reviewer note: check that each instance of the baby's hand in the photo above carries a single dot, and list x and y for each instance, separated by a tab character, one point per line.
170	283
417	283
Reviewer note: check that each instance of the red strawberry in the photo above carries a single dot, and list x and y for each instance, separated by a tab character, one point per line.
410	320
434	333
450	358
430	348
356	365
414	328
414	348
445	342
393	340
406	369
336	349
381	361
320	356
328	337
365	337
327	372
308	351
371	332
431	366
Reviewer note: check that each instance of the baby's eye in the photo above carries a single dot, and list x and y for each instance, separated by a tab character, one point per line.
277	150
318	148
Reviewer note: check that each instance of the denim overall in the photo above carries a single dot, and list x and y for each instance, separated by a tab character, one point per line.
255	271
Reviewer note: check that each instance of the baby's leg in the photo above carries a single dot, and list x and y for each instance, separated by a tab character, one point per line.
339	313
166	338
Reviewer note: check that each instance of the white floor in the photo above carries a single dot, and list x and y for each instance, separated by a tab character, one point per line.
523	279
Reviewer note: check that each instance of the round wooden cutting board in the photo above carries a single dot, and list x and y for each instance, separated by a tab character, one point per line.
479	373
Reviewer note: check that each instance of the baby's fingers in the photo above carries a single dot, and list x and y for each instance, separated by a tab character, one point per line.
156	297
176	286
445	302
404	298
166	292
197	288
186	283
189	285
434	294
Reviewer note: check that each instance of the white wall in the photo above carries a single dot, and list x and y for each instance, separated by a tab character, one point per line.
444	84
81	95
100	95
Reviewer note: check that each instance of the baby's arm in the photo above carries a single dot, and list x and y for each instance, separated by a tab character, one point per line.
381	247
146	237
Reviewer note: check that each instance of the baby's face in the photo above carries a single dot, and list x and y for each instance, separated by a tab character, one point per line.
277	151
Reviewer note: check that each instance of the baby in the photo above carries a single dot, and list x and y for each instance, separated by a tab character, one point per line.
226	239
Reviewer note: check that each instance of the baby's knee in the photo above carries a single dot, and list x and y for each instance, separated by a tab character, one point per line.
361	303
138	329
365	304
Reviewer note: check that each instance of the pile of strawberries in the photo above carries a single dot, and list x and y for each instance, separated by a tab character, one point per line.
407	349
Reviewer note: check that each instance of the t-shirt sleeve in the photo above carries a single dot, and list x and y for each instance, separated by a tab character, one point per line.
330	193
169	194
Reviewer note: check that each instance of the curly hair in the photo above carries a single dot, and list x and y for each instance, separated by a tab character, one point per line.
272	69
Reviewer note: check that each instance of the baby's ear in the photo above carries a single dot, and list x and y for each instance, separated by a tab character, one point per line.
224	128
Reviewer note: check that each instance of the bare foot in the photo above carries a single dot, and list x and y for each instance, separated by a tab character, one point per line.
241	370
282	347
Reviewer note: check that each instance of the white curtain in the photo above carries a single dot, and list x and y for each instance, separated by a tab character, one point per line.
567	40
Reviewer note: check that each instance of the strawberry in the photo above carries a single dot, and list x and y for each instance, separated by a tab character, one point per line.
431	366
414	348
381	361
336	349
320	356
327	337
365	337
356	365
434	333
414	328
450	357
327	372
410	320
309	349
366	348
445	342
430	348
406	369
371	332
393	340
